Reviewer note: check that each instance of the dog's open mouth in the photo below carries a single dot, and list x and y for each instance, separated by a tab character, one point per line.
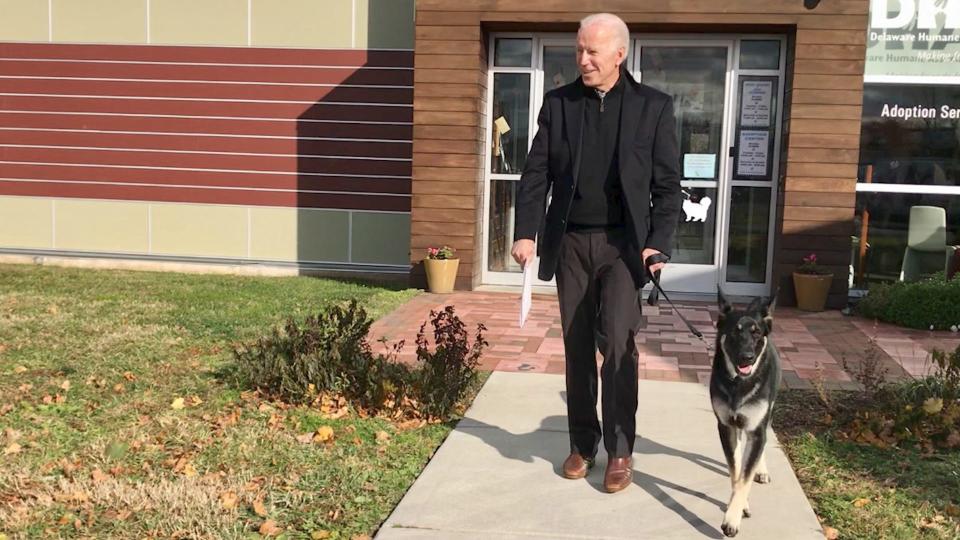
745	370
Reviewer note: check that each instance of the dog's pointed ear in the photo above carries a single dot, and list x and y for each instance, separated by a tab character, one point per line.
767	312
771	303
725	306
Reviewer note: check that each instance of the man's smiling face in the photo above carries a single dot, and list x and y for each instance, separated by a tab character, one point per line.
599	55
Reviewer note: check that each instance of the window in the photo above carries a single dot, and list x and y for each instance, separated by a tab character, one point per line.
911	134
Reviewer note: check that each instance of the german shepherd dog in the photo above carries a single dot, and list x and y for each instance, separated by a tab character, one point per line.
743	387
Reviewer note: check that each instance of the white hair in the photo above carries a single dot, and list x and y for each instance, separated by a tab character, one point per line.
612	22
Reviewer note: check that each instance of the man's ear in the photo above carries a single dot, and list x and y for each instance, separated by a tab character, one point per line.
725	306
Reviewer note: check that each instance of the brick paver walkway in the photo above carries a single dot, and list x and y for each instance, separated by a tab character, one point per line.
814	346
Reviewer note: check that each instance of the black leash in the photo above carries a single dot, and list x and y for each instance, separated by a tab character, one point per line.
653	299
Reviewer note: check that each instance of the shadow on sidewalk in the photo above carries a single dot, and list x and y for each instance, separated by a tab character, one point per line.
526	448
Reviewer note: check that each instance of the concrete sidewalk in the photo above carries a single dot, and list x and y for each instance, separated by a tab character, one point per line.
497	474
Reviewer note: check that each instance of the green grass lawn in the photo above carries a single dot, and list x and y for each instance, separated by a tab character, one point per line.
863	491
120	419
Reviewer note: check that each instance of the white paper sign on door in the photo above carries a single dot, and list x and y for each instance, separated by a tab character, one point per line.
755	104
752	153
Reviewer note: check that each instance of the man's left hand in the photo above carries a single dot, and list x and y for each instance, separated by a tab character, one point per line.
648	252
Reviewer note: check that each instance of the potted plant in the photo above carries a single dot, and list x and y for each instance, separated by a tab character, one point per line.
811	283
441	266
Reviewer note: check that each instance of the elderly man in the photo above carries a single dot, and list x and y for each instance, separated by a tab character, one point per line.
607	146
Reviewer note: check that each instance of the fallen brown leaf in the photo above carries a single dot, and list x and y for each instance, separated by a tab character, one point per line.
229	500
114	515
12	448
383	436
411	424
19	369
319	535
98	476
831	533
861	502
177	404
323	434
259	508
65	385
270	528
129	376
953	439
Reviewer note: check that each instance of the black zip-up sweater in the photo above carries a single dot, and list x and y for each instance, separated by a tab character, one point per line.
598	202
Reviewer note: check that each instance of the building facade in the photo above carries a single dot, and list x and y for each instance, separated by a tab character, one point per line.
350	135
248	133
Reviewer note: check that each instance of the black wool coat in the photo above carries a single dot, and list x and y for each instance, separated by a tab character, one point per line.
649	158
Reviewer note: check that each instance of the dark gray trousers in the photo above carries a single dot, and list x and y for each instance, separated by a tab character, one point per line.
599	309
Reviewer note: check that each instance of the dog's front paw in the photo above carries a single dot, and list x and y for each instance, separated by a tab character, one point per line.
762	477
731	522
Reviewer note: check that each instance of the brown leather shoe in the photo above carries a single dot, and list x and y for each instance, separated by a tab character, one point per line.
576	466
619	474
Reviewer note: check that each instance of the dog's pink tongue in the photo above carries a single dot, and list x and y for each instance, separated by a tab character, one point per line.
744	369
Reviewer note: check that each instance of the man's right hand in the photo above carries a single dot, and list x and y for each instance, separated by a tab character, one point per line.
523	252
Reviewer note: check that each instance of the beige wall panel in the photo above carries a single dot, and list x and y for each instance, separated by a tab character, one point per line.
100	21
306	234
114	226
199	230
24	20
302	23
26	222
381	238
385	24
188	22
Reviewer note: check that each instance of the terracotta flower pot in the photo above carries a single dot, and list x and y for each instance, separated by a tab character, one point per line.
811	290
441	274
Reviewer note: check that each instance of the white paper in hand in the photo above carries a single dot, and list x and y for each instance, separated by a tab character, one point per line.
526	298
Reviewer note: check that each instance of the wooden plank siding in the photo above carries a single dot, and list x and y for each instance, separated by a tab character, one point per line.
220	125
823	97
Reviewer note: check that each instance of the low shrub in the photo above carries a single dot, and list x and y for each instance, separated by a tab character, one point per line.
921	304
329	355
445	374
923	412
326	353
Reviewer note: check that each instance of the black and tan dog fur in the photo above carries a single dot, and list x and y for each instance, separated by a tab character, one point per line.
743	388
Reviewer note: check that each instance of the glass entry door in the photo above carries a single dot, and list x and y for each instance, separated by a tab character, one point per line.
697	75
726	93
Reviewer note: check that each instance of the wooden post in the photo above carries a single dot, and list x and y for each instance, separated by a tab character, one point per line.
864	227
